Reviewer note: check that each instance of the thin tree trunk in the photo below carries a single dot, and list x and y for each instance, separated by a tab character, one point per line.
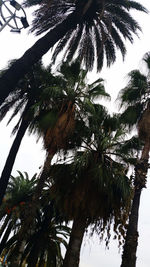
44	175
131	240
72	256
42	178
28	222
11	158
10	78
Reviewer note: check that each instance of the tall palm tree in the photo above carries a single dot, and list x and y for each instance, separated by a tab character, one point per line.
80	22
137	98
76	98
94	188
24	99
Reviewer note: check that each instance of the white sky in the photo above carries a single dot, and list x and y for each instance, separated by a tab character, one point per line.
31	156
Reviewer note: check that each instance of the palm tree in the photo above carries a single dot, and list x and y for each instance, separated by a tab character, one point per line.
136	96
24	99
98	34
47	235
94	188
80	22
43	245
19	193
76	98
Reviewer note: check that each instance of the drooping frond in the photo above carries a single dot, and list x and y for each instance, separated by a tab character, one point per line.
131	115
136	91
135	98
74	43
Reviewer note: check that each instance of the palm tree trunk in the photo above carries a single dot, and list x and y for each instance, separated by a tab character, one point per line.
35	199
72	256
10	78
44	175
131	240
11	158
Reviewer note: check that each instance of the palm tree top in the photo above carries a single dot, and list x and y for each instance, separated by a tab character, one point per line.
20	188
135	97
72	100
48	232
101	29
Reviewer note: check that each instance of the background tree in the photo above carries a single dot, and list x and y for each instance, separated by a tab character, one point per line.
105	21
135	96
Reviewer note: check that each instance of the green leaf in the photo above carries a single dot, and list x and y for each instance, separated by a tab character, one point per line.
98	91
48	120
131	115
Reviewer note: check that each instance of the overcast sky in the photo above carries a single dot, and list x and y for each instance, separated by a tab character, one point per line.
31	155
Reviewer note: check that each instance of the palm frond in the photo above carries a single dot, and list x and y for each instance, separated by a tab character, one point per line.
131	115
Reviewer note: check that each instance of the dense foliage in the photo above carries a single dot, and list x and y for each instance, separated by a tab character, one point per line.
88	182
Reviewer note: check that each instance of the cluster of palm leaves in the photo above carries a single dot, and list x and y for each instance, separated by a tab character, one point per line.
43	245
89	184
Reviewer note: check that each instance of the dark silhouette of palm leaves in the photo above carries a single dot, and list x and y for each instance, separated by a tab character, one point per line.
17	198
94	177
100	32
134	98
101	166
43	243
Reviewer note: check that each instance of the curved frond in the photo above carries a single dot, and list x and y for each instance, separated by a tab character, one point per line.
136	91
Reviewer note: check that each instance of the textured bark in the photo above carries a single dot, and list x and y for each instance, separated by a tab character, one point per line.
11	159
131	240
10	78
72	256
